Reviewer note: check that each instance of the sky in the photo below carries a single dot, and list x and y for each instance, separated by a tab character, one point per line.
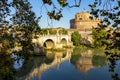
68	13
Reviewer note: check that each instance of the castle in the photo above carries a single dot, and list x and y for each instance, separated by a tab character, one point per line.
82	22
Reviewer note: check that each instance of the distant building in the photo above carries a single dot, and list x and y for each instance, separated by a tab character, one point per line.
83	22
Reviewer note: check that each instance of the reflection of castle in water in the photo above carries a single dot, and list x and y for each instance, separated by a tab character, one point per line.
85	61
37	71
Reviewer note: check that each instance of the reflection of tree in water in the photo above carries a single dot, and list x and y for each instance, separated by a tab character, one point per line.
33	62
75	55
86	59
114	64
7	71
27	66
99	60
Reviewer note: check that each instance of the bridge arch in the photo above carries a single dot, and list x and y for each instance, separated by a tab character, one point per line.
49	43
64	41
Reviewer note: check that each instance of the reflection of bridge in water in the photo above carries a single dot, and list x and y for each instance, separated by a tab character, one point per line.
37	71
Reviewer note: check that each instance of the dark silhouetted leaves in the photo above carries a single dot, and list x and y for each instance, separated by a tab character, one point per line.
49	2
63	3
55	15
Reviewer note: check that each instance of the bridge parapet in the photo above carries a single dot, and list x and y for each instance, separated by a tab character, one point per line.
55	40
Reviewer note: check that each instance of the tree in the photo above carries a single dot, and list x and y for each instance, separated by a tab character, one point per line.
76	38
24	16
110	11
100	37
116	39
7	72
4	12
6	41
56	12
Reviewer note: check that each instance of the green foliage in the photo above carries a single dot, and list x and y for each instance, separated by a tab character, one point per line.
52	31
98	60
63	31
111	16
118	29
4	11
116	39
113	58
21	28
22	37
100	37
76	38
6	41
7	71
26	40
43	31
75	56
24	16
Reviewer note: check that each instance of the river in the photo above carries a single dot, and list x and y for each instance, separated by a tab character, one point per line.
71	64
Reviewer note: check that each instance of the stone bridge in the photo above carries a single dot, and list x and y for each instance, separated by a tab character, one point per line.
53	41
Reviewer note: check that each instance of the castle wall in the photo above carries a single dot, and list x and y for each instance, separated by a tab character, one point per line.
72	23
83	22
84	25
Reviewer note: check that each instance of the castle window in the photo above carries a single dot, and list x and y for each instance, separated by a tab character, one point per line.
80	18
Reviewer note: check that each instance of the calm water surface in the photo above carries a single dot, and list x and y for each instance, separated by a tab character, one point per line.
71	64
68	65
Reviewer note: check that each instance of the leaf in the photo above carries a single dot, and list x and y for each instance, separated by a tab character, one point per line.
119	3
49	2
63	3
